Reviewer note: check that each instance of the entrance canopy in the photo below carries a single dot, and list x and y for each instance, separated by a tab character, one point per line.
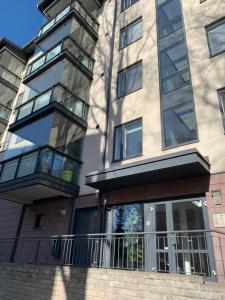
177	165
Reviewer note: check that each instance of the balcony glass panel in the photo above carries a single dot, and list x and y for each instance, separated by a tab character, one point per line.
27	165
44	160
9	170
55	51
42	100
69	45
37	64
62	14
63	72
59	94
11	63
25	110
9	76
79	9
4	112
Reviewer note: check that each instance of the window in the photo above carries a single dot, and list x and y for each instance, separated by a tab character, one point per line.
216	37
222	105
179	124
128	140
127	3
131	33
129	79
38	221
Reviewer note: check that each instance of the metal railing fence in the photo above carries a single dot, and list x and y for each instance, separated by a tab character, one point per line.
183	252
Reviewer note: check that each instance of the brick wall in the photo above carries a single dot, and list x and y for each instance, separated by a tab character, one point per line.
26	282
56	219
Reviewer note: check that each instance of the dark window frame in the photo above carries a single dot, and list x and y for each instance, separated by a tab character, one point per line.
126	29
221	105
125	6
125	70
164	146
38	220
122	148
210	27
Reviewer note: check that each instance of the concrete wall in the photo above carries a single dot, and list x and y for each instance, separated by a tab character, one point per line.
25	282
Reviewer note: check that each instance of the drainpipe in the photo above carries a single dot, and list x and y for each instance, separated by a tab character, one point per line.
101	199
17	233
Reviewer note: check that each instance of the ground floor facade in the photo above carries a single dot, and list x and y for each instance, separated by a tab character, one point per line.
172	226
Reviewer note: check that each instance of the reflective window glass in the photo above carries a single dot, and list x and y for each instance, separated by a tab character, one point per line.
131	33
128	140
9	170
42	100
130	79
216	37
27	165
179	125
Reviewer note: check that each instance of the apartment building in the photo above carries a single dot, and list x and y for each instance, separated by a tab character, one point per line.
118	128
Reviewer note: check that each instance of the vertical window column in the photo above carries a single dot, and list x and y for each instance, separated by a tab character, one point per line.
177	99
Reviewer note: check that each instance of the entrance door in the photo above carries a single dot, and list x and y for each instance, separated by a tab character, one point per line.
178	242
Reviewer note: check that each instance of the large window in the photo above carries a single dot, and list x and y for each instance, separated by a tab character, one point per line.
221	94
216	37
128	140
127	3
129	79
131	33
177	99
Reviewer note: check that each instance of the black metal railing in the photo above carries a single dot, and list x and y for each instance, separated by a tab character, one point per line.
192	251
9	76
58	93
78	7
45	160
66	44
5	112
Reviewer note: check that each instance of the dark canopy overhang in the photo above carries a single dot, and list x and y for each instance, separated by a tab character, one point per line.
184	164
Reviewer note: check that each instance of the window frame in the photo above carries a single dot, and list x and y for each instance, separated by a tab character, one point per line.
124	5
221	105
125	70
126	29
210	27
123	141
38	220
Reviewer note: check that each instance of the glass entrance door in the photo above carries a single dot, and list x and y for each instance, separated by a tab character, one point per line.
178	242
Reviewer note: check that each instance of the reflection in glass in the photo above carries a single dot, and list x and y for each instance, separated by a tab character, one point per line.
9	170
216	37
179	125
42	101
27	165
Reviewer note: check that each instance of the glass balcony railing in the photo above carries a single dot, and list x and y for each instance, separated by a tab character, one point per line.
57	93
77	6
5	112
66	44
10	77
45	160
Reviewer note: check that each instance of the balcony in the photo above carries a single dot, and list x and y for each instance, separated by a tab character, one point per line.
56	98
67	48
82	14
38	174
4	113
9	79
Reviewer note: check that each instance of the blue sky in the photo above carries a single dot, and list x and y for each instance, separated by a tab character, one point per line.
19	20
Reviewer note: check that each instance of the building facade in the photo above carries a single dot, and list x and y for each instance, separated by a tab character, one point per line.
118	127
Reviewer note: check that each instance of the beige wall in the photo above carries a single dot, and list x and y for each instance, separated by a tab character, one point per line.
208	75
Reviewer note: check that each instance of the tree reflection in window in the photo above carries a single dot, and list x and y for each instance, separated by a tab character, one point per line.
128	249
